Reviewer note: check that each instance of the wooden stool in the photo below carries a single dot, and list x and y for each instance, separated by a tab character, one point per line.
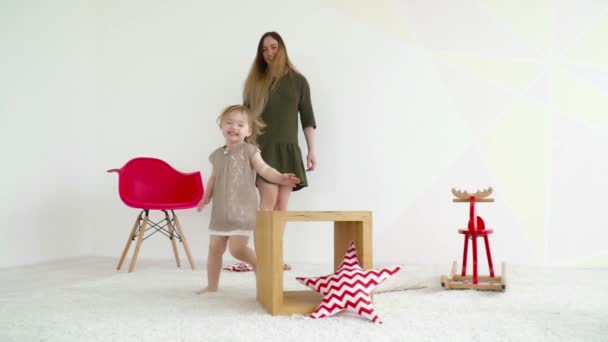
348	226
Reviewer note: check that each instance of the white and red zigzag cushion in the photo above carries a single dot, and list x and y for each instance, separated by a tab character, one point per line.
349	288
240	267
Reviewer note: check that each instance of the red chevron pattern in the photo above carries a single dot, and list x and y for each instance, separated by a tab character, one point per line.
240	267
245	267
349	288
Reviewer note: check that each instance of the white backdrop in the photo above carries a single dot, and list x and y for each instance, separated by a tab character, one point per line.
411	98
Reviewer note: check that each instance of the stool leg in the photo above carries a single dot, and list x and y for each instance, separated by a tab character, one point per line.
475	276
128	245
489	255
172	238
464	255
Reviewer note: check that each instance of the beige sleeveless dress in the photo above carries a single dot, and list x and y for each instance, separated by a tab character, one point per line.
235	200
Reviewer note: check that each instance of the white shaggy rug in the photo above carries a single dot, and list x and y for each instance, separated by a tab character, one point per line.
87	300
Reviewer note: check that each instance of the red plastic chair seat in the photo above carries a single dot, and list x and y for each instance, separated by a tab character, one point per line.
150	183
478	233
160	206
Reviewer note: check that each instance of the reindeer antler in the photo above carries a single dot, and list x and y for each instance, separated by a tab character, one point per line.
466	196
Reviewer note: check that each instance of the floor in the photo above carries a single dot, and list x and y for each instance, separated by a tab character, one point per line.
86	299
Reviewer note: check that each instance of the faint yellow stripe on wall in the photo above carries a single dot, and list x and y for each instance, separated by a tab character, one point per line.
581	100
591	262
532	21
505	73
591	48
514	151
382	15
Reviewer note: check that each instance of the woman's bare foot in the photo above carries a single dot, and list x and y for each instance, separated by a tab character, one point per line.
205	290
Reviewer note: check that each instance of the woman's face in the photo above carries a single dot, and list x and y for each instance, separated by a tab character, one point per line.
270	49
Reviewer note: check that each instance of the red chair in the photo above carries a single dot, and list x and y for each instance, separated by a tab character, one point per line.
152	184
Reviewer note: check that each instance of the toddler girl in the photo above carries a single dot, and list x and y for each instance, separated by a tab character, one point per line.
232	188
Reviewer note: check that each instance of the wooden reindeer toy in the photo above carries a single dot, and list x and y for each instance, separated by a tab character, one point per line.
476	228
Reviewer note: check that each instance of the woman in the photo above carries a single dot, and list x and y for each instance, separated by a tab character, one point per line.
277	92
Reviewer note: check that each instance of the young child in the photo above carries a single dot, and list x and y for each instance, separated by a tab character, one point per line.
232	188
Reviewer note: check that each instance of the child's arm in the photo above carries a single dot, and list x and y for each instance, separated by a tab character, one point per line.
208	193
271	174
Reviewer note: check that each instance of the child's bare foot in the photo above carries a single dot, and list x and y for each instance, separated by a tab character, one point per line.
205	290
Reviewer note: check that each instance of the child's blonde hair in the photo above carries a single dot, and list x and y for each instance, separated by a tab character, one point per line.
255	122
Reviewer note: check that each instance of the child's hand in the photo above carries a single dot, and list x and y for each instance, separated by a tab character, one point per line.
202	204
289	179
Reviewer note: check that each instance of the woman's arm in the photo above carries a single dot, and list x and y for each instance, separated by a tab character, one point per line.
307	119
271	174
311	159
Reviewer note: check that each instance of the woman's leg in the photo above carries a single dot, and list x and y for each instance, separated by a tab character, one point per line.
237	245
281	204
269	198
268	194
217	247
282	198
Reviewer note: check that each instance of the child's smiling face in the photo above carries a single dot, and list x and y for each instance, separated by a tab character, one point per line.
235	128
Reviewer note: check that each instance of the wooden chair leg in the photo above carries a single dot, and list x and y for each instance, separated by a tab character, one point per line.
184	241
172	238
140	239
128	245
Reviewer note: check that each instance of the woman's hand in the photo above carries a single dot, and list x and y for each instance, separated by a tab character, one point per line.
311	161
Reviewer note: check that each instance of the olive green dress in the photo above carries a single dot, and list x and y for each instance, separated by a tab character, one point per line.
279	143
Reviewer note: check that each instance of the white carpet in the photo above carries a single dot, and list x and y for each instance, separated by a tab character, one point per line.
87	300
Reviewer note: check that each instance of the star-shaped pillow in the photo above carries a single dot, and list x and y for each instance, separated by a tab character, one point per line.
348	288
245	267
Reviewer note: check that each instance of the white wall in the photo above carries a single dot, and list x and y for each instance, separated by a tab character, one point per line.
411	100
48	111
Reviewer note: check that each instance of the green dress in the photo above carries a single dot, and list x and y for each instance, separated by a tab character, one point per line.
279	143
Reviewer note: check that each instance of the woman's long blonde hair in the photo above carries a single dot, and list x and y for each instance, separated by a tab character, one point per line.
255	123
262	79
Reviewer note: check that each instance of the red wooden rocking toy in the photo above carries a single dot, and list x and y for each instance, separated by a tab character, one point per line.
476	229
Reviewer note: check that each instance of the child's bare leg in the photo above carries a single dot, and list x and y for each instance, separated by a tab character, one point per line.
237	245
217	247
